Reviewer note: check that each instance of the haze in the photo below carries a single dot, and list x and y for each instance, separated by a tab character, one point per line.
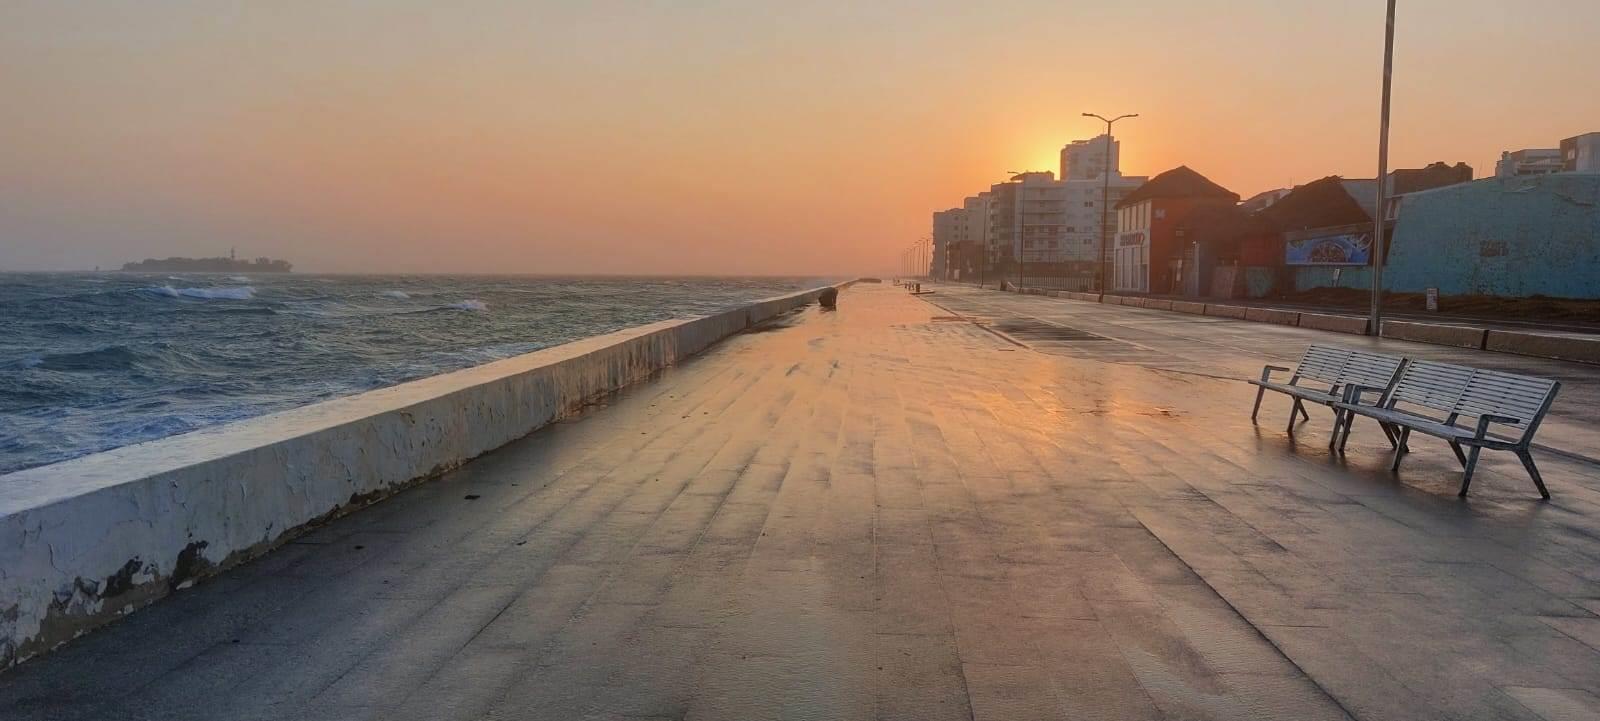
705	138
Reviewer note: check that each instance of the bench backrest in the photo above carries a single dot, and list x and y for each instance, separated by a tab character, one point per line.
1343	366
1323	363
1374	370
1460	390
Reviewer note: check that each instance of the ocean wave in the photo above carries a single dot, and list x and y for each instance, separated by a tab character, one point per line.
63	328
241	292
115	357
475	306
87	366
238	279
151	358
395	294
32	361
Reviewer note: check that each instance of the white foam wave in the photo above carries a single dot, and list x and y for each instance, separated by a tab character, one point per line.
238	279
473	305
242	292
396	294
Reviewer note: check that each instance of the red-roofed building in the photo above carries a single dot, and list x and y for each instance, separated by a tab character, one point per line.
1149	252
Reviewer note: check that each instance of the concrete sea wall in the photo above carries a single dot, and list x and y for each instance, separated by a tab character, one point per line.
85	541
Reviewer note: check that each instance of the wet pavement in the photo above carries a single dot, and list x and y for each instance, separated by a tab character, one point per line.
894	512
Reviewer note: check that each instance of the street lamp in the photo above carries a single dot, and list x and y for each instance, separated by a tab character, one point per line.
1375	319
1105	198
1021	263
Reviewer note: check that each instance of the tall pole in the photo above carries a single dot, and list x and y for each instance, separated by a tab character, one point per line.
1019	185
1105	203
1020	256
1375	319
1105	210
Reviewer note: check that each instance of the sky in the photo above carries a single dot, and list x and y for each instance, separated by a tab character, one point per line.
684	137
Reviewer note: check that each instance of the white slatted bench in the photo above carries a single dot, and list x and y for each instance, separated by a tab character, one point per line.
1330	366
1510	405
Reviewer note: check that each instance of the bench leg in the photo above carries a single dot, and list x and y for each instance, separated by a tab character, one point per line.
1466	473
1294	411
1460	456
1349	423
1533	471
1338	423
1400	450
1389	434
1257	409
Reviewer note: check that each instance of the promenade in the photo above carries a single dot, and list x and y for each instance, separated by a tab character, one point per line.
965	505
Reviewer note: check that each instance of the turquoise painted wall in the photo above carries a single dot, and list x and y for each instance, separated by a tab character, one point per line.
1512	237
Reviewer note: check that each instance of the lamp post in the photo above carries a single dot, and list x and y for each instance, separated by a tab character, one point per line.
1021	263
1375	318
1105	200
983	242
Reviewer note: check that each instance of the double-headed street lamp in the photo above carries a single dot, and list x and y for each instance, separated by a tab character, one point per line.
1105	200
1375	317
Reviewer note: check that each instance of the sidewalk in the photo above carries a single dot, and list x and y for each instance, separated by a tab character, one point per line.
1237	349
891	512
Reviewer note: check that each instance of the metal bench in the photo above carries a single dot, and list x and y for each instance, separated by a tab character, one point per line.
1332	366
1509	404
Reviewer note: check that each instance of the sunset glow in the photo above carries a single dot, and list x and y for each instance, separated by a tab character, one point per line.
705	137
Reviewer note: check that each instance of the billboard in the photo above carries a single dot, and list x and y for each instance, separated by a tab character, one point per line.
1337	249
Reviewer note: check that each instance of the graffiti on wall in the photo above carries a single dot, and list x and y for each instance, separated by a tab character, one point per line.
1339	249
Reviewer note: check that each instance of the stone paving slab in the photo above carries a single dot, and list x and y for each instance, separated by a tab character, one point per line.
890	513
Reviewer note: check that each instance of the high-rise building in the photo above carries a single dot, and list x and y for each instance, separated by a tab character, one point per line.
946	225
1086	159
1089	220
976	245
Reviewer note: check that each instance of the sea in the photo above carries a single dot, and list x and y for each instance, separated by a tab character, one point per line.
94	361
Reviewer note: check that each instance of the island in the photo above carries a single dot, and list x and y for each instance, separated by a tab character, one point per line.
229	264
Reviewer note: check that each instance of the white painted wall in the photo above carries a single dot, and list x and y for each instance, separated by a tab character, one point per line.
87	540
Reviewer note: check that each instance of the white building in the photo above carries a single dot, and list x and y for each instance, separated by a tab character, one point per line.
1581	154
946	230
1528	161
1041	205
977	244
1086	159
1083	164
1086	216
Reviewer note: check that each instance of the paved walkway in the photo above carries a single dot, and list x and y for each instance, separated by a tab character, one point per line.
1235	349
888	513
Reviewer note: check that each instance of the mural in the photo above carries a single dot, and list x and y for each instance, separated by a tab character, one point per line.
1341	249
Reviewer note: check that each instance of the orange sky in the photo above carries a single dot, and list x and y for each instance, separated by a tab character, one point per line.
696	137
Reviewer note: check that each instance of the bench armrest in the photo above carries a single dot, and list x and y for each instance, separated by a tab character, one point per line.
1267	371
1352	392
1487	418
